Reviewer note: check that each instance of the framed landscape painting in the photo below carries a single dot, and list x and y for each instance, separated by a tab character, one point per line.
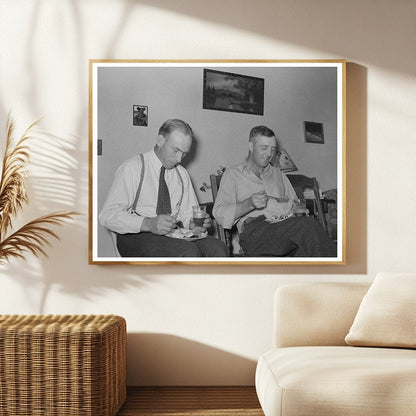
227	91
245	156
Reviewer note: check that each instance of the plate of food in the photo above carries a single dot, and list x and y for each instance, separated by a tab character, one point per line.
187	235
278	218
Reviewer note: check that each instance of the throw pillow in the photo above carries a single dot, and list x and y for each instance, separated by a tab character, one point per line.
387	314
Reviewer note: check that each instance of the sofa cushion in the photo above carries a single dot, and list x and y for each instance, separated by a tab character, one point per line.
304	381
387	314
318	313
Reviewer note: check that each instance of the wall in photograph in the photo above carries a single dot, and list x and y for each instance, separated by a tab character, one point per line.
291	96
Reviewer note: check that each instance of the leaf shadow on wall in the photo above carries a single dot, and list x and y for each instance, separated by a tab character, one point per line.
59	180
333	27
53	186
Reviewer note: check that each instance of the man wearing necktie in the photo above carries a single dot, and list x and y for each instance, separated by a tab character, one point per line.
151	194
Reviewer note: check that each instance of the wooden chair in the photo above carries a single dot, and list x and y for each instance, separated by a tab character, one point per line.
302	182
223	234
299	183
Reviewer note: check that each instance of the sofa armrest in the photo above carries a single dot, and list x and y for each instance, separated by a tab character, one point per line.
315	313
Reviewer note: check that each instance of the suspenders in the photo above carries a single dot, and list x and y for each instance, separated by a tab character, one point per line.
136	198
182	186
139	188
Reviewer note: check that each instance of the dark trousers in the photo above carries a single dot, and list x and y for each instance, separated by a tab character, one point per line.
295	236
152	245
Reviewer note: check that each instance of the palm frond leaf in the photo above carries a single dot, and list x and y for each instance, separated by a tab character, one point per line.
12	183
33	237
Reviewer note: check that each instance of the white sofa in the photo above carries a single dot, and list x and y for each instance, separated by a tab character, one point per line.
311	370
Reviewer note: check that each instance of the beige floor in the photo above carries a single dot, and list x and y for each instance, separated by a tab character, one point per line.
187	401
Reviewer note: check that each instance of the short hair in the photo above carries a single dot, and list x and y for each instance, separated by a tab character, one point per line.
174	124
261	131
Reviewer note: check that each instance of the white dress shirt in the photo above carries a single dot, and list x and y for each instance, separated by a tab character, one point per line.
119	215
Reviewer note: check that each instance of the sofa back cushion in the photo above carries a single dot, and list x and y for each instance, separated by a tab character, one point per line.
315	313
387	314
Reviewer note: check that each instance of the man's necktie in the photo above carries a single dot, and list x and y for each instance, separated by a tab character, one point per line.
163	197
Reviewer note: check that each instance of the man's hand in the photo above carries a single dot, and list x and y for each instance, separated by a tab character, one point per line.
255	201
207	223
160	225
259	200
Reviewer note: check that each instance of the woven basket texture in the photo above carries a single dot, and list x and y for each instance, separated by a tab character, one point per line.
54	365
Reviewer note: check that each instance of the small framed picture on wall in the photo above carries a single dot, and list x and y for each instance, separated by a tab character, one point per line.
140	115
314	132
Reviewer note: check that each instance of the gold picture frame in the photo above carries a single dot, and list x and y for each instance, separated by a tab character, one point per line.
175	89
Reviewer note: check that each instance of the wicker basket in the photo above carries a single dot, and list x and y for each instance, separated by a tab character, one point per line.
71	365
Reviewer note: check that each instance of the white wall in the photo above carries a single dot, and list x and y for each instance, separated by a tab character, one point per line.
203	324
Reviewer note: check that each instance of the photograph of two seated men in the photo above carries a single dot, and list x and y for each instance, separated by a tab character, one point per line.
232	161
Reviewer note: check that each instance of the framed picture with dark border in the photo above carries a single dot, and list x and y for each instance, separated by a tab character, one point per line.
222	101
226	91
140	115
314	132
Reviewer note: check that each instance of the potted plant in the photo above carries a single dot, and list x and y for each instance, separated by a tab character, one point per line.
34	235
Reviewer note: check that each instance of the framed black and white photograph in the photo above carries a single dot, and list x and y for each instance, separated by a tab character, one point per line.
221	174
140	115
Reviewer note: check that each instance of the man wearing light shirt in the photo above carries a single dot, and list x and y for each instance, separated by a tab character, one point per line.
259	199
130	209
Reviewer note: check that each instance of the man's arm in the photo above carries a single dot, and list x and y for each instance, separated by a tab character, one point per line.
227	209
188	200
255	201
115	214
160	225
